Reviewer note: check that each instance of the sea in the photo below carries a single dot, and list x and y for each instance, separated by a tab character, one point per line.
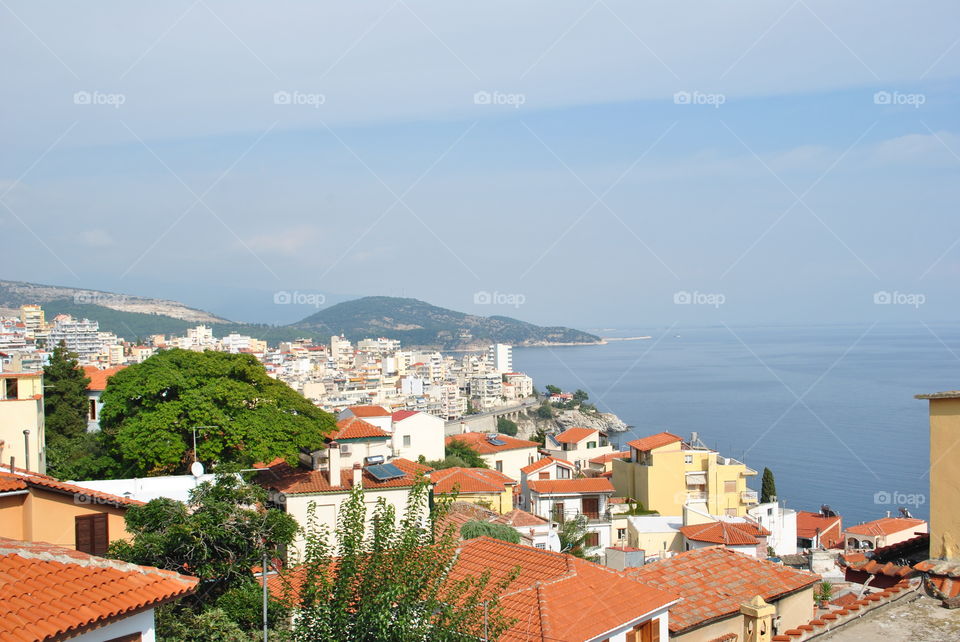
830	409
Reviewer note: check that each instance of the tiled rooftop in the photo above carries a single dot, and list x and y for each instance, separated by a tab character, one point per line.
728	533
519	517
884	526
654	441
602	459
575	435
51	592
280	476
469	480
584	485
543	463
369	411
353	428
98	378
24	480
478	441
715	581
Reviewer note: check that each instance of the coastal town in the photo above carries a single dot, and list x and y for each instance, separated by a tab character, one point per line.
669	538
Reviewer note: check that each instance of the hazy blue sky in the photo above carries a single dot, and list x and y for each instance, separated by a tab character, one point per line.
146	150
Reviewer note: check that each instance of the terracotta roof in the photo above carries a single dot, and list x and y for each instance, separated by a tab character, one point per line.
715	581
575	435
885	526
949	394
602	459
369	411
98	378
543	463
478	441
23	481
400	415
469	480
519	517
654	441
280	476
943	575
49	592
547	598
461	512
728	533
584	485
808	523
353	428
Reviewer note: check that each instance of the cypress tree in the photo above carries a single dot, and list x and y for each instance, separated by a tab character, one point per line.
64	395
768	489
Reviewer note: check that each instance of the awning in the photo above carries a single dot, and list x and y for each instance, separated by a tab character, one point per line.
697	479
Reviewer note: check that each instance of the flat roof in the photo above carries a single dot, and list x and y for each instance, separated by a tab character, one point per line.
949	394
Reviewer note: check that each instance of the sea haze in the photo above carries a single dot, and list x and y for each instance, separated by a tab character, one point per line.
857	432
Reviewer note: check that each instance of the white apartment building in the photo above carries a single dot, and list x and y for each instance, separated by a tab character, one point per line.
487	389
522	384
500	358
81	336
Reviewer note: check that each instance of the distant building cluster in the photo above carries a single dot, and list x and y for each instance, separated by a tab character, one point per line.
334	376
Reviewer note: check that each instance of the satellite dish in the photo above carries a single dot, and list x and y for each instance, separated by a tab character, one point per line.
196	469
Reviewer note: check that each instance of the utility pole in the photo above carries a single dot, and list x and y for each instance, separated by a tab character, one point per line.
263	569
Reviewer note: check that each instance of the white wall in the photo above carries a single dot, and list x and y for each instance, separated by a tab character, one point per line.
782	524
142	623
620	634
426	437
513	460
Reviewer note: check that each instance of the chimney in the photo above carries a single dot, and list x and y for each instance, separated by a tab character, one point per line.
888	513
357	474
333	464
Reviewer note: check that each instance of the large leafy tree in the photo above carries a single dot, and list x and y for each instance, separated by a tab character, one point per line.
151	409
390	580
219	536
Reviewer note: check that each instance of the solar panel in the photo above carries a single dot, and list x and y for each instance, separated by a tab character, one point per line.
383	472
496	442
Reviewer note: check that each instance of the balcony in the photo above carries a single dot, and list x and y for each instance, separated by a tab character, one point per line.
562	516
749	497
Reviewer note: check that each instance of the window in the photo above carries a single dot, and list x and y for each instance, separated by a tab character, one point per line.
132	637
91	533
730	486
10	386
541	546
688	459
591	444
406	441
545	475
93	410
499	465
621	533
592	540
730	512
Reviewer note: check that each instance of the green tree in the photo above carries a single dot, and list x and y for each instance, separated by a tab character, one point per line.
393	584
573	536
540	436
768	487
150	410
476	528
218	536
553	390
450	461
580	396
65	410
471	409
465	453
545	411
506	426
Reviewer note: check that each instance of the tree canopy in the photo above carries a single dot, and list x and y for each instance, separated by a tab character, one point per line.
476	528
465	453
241	414
507	426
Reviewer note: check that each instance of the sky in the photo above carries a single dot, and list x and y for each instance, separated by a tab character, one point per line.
602	164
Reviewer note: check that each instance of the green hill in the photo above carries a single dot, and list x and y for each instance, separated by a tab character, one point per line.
417	323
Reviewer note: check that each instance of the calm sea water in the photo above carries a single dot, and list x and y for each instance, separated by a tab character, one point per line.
856	440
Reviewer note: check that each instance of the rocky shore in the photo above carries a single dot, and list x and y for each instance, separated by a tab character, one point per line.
605	421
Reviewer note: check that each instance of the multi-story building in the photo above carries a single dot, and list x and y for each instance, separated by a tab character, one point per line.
502	453
81	336
33	320
665	473
500	358
22	436
522	384
944	475
487	389
579	445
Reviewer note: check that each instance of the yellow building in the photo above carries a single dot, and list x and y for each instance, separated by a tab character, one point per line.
37	508
21	420
944	475
665	473
32	317
481	486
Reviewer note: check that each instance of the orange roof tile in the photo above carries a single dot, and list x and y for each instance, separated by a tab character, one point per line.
478	441
808	524
353	428
654	441
602	459
48	591
461	512
98	378
21	481
400	415
728	533
280	476
584	485
469	480
715	581
885	526
369	411
543	463
519	517
575	435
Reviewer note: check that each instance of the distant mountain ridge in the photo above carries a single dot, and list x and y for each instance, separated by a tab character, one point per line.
415	323
418	323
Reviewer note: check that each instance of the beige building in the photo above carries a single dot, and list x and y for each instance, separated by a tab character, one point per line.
579	445
885	531
503	453
944	475
665	473
21	420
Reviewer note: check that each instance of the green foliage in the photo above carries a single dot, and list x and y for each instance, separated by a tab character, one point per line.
768	488
506	426
823	592
637	509
465	453
553	390
212	625
392	584
573	536
540	436
150	408
450	461
471	409
579	396
218	536
545	411
65	395
84	457
476	528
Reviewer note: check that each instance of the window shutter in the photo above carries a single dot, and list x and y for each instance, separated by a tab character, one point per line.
84	534
92	535
100	537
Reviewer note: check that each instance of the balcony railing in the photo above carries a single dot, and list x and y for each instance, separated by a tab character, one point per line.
592	516
696	496
749	497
